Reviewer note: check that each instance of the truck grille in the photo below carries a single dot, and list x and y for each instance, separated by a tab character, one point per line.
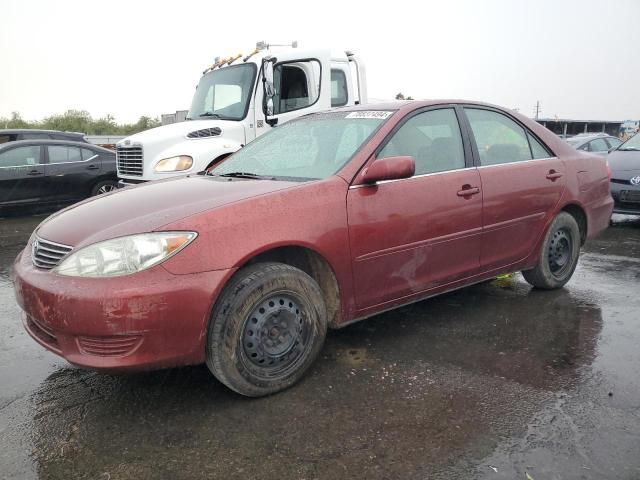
47	254
129	160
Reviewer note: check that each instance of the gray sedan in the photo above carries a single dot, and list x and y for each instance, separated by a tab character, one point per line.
600	144
624	162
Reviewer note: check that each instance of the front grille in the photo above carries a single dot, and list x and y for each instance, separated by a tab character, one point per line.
630	196
113	346
205	132
129	160
46	254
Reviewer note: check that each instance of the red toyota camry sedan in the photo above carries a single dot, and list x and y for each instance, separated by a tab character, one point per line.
326	220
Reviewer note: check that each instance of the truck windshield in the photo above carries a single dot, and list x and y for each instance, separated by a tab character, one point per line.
312	147
224	93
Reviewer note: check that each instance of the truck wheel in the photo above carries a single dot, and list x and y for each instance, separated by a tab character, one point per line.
266	329
559	254
105	186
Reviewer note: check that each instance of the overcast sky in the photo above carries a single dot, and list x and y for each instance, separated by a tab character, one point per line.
132	58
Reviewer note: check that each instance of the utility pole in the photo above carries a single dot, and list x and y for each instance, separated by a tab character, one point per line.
537	110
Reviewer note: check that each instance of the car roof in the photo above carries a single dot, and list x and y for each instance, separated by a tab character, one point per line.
8	131
407	105
49	141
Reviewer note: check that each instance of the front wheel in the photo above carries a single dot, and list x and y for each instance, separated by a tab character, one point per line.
266	329
559	254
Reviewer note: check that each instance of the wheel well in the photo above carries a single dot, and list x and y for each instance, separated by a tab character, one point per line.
314	265
217	160
581	218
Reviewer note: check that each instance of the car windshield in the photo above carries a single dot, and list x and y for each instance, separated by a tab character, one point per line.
312	147
632	144
224	93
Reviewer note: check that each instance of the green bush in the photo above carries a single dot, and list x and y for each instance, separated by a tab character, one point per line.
81	121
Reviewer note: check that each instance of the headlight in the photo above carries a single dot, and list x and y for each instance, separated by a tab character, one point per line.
124	255
174	164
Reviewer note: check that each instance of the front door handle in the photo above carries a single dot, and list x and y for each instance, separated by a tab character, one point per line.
553	175
93	167
468	190
33	173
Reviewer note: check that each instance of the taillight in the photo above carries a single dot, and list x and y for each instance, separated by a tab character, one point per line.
606	162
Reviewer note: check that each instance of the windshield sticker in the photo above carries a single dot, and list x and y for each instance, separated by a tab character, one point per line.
377	114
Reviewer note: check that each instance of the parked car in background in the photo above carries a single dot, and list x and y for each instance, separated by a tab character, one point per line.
40	172
17	134
325	220
598	143
624	163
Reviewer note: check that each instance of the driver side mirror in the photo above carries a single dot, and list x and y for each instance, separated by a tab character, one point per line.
268	87
390	168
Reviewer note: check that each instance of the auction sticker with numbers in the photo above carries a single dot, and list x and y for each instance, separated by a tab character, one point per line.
377	114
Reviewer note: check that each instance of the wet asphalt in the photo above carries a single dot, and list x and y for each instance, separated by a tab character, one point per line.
494	381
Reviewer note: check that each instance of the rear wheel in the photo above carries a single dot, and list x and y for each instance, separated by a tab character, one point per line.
266	329
105	186
559	254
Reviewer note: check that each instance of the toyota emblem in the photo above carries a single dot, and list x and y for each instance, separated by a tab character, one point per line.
635	180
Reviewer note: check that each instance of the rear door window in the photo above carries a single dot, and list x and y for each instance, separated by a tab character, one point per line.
87	154
498	138
63	154
432	138
20	156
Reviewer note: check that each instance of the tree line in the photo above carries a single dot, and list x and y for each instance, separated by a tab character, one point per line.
81	121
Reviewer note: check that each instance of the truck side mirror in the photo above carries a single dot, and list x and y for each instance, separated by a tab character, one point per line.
267	82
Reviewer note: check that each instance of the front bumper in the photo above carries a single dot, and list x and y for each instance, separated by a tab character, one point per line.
626	198
149	320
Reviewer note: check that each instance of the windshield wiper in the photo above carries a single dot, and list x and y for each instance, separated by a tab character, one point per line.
253	176
209	114
629	149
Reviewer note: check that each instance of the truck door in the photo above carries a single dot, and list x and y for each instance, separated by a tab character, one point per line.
302	86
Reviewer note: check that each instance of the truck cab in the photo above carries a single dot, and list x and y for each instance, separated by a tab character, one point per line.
236	100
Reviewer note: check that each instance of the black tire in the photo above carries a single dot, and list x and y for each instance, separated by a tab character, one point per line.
558	256
104	186
266	329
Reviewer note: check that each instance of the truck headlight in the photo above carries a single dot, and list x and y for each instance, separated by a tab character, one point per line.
174	164
124	255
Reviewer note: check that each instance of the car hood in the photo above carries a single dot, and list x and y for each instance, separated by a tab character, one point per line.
149	207
621	161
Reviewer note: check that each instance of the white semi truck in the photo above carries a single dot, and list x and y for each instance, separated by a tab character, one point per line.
238	99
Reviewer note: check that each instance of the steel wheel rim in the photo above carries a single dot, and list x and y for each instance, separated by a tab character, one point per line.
275	335
106	189
560	252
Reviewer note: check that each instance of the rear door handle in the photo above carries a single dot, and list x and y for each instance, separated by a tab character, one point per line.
468	190
93	167
33	173
553	175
